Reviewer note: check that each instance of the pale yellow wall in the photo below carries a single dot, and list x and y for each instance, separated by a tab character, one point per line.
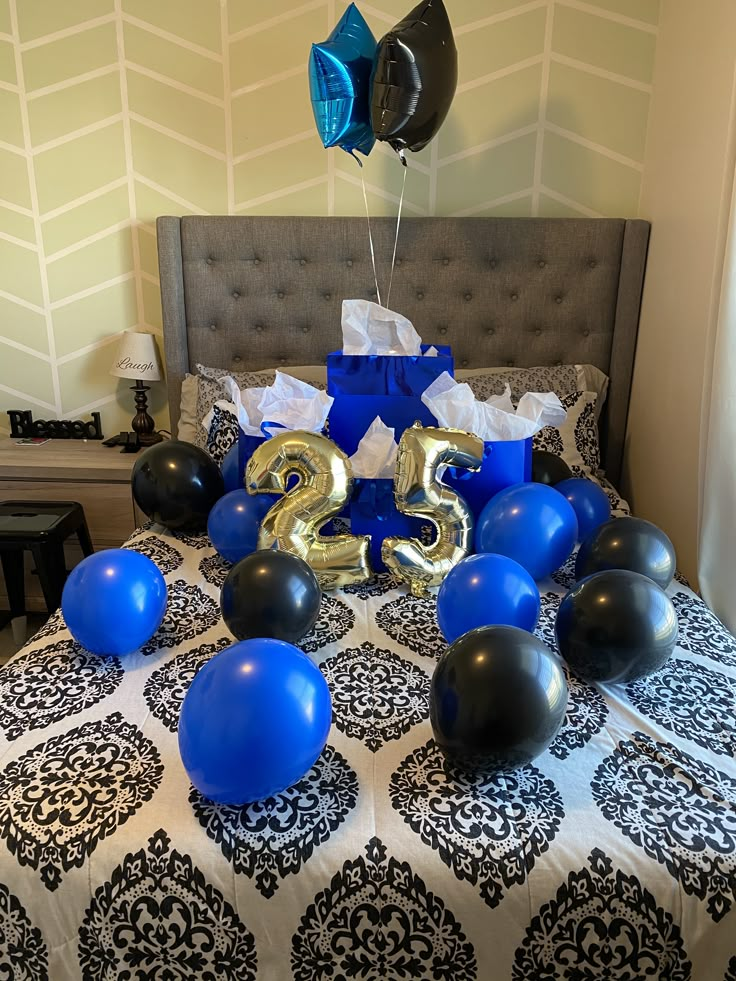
688	170
115	111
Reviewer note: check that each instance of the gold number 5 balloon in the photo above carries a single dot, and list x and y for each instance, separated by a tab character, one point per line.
293	523
418	492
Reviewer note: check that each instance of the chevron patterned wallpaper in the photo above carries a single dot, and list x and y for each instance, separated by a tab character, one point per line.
115	111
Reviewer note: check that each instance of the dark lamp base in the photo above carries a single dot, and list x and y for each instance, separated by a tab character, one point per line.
143	425
148	439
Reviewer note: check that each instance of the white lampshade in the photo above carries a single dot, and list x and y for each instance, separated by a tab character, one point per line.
137	357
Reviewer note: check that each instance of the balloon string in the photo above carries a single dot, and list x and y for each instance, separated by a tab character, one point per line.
396	239
370	239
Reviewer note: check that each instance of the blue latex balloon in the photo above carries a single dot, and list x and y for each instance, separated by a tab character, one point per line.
230	468
531	523
114	601
339	84
589	502
485	590
253	721
234	521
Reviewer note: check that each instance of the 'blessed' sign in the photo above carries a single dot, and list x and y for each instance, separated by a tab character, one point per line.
22	425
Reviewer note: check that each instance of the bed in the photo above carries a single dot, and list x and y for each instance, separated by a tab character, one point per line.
612	856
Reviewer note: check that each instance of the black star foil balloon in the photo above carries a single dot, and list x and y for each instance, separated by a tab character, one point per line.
414	78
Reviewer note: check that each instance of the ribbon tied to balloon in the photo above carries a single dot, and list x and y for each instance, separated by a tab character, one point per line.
398	91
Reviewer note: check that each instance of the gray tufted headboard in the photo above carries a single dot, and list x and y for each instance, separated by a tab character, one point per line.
256	292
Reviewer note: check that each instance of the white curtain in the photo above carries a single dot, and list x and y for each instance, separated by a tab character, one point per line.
717	552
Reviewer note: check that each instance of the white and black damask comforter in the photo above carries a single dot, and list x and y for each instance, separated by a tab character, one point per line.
613	856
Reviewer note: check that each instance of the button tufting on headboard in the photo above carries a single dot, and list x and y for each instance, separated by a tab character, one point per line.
499	297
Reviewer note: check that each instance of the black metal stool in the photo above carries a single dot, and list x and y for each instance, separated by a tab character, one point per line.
40	527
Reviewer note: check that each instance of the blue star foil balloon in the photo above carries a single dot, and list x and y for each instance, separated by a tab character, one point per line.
339	84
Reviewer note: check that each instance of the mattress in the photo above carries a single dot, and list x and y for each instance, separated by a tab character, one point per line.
612	856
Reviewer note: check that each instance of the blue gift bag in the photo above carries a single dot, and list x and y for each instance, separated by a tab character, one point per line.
389	386
373	512
504	463
247	445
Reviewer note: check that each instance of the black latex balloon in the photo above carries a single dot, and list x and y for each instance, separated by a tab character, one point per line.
177	484
616	626
628	543
497	699
414	77
548	468
270	594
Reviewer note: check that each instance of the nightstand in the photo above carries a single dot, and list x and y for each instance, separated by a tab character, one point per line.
96	476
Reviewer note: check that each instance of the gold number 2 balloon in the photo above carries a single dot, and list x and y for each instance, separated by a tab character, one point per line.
418	492
324	487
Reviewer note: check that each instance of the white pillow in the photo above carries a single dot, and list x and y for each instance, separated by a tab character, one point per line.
188	409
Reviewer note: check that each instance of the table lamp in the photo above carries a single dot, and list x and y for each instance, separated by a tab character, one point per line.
138	358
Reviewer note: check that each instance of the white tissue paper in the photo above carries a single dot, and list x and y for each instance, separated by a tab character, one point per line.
431	352
295	404
245	403
376	452
368	328
454	406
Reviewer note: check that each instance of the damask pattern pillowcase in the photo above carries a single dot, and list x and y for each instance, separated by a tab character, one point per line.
576	440
561	379
222	431
486	382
